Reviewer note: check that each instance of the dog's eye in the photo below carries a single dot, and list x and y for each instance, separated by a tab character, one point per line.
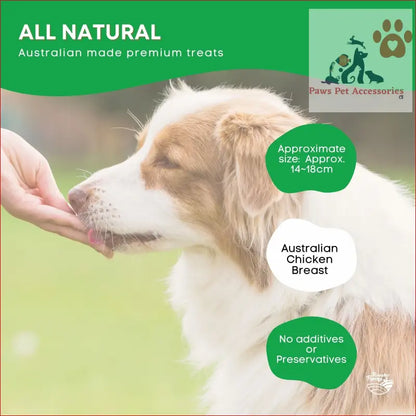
166	163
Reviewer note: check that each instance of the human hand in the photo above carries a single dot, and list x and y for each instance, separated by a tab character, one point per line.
29	192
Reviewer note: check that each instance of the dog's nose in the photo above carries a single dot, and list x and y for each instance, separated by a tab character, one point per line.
77	198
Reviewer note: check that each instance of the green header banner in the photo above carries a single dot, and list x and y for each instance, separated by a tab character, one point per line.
74	48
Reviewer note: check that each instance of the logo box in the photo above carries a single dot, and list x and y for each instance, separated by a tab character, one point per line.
360	60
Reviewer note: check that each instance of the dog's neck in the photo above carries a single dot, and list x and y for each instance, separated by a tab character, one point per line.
221	310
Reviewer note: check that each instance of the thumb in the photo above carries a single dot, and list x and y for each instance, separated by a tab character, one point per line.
49	190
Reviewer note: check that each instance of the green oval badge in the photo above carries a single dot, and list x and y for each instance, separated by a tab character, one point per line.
317	157
312	349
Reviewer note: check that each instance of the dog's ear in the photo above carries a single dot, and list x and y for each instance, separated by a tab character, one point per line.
245	139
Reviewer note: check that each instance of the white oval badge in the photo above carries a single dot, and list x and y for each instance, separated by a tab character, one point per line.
306	257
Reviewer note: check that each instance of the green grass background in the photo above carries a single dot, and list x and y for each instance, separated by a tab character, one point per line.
109	343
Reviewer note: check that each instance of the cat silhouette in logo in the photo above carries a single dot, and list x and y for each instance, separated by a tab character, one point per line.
330	79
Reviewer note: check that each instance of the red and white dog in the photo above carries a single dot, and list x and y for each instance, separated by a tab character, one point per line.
198	182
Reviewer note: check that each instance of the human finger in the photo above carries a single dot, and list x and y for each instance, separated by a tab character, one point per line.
49	189
78	236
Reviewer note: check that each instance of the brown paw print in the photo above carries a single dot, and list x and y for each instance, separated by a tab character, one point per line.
392	43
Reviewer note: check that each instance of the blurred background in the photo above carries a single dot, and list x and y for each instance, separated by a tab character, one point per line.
85	335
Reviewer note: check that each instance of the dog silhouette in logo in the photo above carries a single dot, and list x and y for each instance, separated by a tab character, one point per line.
358	61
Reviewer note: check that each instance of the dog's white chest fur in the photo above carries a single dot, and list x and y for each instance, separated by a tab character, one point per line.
226	321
